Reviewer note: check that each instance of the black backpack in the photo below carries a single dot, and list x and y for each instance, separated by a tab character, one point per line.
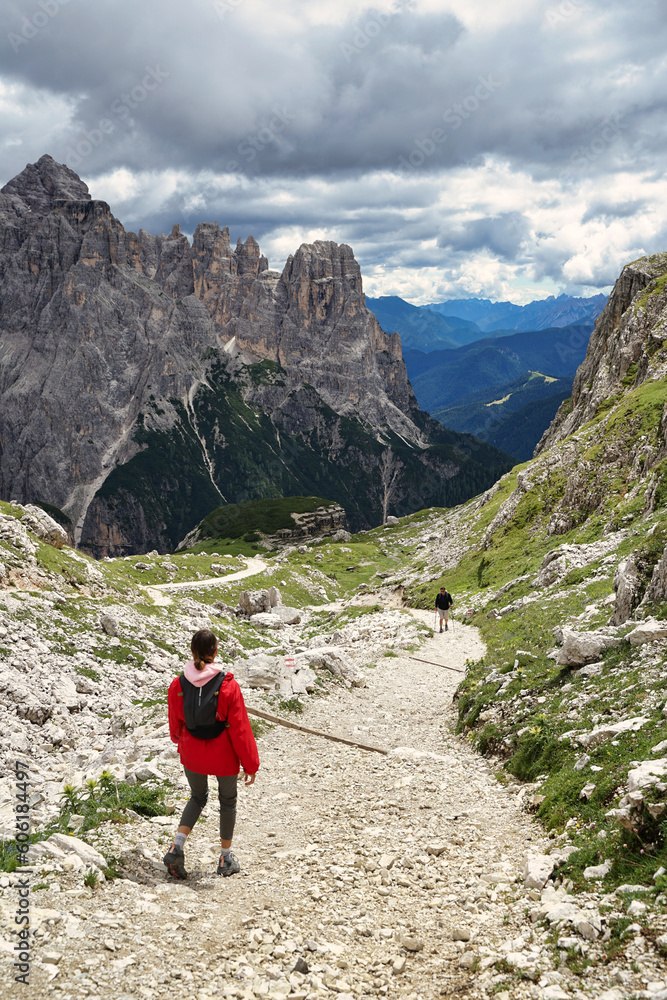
200	705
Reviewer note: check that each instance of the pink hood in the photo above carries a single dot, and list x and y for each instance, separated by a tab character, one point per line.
200	677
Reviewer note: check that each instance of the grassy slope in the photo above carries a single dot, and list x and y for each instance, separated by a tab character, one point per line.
522	723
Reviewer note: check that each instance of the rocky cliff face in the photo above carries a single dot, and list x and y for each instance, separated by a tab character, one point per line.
116	347
622	350
599	473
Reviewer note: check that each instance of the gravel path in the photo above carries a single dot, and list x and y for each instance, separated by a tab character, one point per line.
155	590
358	869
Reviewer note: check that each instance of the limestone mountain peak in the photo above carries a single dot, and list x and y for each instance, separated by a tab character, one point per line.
40	185
147	345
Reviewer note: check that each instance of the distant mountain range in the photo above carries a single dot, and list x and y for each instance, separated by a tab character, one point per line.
451	324
562	310
442	378
511	417
419	327
502	389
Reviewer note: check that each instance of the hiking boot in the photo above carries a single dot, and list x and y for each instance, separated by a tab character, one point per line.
441	628
174	860
228	865
446	628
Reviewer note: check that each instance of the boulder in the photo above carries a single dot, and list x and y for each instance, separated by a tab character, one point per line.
253	602
650	772
584	647
260	671
12	531
392	520
554	566
265	619
335	661
597	872
44	526
627	586
536	870
290	616
342	536
303	680
109	624
65	693
603	733
31	703
73	845
648	631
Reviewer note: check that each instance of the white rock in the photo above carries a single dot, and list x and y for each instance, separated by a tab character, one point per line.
303	680
335	661
461	934
555	992
636	908
647	774
73	845
587	791
290	616
65	693
398	965
584	647
467	960
603	733
648	631
265	619
44	526
536	870
259	671
595	872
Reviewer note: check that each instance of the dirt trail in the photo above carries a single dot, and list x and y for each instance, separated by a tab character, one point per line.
363	867
156	590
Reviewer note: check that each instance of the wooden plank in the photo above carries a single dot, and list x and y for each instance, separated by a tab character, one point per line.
312	732
444	665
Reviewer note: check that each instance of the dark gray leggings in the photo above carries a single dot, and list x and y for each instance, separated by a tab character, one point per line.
227	792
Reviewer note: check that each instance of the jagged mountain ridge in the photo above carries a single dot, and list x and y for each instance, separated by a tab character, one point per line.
561	310
131	393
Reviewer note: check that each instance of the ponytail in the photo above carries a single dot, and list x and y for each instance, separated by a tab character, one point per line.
204	646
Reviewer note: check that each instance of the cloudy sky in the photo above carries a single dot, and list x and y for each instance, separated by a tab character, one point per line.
508	149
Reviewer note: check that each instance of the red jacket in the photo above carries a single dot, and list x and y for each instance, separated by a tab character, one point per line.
222	755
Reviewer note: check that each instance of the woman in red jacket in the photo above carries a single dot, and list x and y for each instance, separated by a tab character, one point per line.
216	739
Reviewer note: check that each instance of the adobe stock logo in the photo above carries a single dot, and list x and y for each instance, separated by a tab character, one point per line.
122	108
31	26
453	117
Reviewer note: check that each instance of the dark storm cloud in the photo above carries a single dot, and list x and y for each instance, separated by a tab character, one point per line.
502	235
611	210
363	118
268	96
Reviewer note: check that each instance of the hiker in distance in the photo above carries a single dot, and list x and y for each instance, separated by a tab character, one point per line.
443	602
209	722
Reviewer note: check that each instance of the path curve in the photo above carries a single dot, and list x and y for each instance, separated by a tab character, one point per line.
155	590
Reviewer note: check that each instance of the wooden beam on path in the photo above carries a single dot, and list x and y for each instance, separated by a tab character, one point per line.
444	665
312	732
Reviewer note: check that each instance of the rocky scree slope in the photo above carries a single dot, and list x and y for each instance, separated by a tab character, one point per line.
474	901
87	657
144	380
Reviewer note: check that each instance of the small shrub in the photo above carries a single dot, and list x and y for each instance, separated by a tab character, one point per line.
488	740
91	879
291	705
